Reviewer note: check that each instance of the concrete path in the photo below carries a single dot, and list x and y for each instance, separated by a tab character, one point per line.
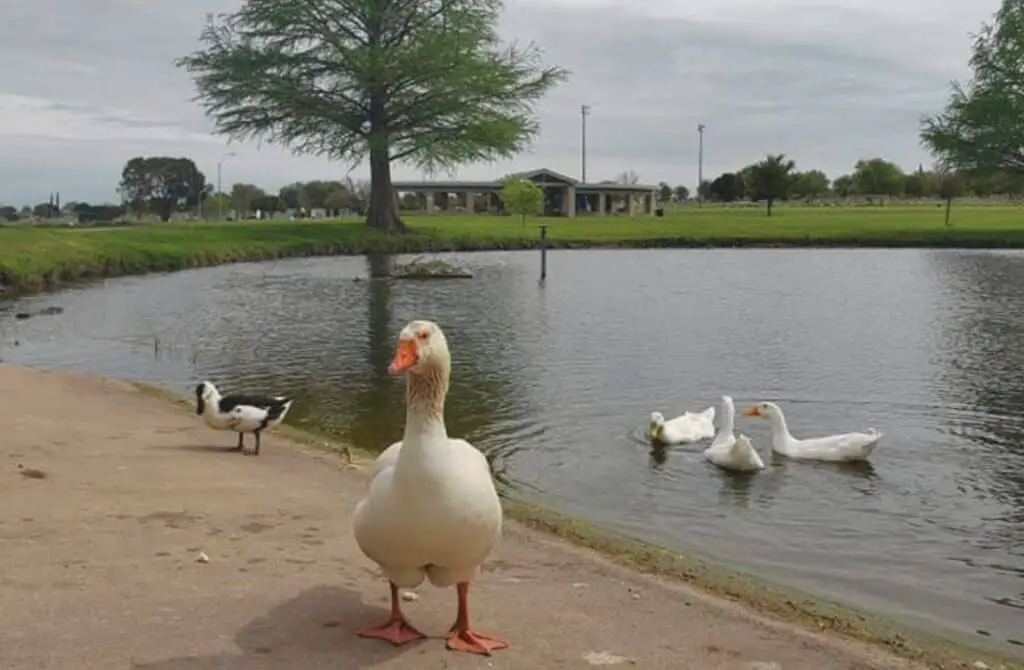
99	571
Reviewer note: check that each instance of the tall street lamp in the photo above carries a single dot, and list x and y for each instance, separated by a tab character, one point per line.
220	193
700	164
584	112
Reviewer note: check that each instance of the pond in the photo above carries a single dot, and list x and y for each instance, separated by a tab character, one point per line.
557	381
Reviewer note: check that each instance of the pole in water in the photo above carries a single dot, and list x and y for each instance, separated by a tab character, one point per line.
543	253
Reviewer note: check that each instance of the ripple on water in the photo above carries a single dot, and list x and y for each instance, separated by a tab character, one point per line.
556	384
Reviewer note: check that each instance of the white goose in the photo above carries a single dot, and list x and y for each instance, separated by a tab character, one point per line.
687	427
239	412
729	452
431	509
836	448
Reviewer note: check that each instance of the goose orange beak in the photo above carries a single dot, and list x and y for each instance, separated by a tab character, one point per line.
753	411
406	356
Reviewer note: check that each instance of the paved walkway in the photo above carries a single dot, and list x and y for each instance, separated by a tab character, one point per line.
98	566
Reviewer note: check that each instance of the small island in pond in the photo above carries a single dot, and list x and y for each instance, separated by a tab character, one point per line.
432	269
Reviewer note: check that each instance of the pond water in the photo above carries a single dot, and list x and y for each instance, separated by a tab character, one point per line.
557	381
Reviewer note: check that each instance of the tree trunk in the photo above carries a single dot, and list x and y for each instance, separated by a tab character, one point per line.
770	202
382	213
949	205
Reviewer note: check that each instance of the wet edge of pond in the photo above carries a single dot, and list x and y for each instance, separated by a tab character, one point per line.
777	602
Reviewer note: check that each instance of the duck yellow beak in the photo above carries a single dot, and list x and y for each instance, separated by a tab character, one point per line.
653	432
753	411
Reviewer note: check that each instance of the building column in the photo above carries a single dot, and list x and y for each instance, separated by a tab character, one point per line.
470	204
602	204
632	203
570	202
428	199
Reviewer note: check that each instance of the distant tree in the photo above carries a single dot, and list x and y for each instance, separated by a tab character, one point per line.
422	82
411	201
522	198
951	186
360	192
982	127
727	187
704	190
842	185
43	210
244	197
290	195
629	177
217	205
313	194
811	184
681	193
86	213
878	177
771	179
267	204
338	198
161	184
664	192
9	213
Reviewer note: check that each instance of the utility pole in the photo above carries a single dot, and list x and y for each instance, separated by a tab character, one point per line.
584	113
220	200
700	164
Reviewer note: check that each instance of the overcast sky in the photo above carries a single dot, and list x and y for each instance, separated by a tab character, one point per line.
88	84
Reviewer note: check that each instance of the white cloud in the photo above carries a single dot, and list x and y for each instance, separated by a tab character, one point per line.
89	85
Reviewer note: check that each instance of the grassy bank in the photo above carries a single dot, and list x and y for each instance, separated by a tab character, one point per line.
39	258
780	603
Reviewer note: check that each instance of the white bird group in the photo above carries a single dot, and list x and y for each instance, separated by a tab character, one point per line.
737	453
431	510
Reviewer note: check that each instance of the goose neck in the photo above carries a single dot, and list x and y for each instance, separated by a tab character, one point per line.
425	394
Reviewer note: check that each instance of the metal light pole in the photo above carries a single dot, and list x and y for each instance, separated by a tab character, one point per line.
700	164
220	199
584	112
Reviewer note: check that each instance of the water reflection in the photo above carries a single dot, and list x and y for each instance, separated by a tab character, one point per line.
982	382
555	383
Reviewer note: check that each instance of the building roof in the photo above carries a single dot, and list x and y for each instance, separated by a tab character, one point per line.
546	177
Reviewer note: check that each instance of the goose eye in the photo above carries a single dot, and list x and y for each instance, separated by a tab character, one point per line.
423	334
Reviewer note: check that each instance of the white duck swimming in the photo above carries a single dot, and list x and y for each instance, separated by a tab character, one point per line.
687	427
726	450
239	412
431	509
836	448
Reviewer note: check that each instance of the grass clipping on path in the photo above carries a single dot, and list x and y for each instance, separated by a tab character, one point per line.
785	604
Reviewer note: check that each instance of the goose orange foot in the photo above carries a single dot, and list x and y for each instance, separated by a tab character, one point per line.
463	638
396	629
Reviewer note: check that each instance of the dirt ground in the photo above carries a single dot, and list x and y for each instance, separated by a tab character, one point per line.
99	570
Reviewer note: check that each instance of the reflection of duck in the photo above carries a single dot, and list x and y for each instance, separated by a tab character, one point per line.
835	448
241	413
726	450
431	509
687	427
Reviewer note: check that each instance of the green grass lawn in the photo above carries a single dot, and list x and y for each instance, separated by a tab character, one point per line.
874	226
34	258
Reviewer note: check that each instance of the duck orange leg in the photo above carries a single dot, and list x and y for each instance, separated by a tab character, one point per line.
396	629
463	638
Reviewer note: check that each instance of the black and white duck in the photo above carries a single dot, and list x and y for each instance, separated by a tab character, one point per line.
239	412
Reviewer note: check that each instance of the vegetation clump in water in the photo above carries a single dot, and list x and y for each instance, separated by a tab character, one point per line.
432	269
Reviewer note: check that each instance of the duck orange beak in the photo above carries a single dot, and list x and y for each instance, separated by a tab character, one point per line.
406	356
753	411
